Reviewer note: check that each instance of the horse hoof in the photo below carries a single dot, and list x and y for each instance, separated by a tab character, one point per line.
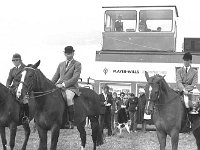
99	143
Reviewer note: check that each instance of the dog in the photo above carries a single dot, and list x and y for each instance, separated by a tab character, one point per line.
122	126
123	122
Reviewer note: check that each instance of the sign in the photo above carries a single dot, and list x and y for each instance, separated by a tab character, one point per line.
134	71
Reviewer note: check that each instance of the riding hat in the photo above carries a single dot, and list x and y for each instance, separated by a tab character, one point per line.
187	56
69	49
16	56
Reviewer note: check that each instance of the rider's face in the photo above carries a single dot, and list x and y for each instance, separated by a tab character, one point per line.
16	62
69	56
187	63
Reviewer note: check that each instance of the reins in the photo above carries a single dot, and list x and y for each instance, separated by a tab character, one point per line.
44	93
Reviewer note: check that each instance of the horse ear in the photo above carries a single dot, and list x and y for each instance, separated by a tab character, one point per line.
147	75
36	64
161	78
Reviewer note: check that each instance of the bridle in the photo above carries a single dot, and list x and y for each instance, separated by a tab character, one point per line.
155	101
39	94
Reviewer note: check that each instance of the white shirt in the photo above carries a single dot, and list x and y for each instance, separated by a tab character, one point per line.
105	95
68	63
188	68
66	68
18	66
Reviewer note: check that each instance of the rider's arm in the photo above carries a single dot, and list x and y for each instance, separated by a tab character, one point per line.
194	82
10	78
179	80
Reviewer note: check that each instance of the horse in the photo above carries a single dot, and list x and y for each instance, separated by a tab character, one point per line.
50	107
10	117
169	112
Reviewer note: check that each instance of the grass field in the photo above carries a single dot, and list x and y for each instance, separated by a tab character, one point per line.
69	140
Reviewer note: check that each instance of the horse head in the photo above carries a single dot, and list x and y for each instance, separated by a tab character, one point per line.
153	90
28	79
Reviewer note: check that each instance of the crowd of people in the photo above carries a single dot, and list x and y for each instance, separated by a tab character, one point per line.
122	109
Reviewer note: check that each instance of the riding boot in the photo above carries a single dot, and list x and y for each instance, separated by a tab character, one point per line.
71	116
25	118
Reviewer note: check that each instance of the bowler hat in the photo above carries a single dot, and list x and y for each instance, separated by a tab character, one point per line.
16	56
187	56
69	49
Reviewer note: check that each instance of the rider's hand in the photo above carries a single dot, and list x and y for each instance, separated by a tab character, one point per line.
59	85
185	92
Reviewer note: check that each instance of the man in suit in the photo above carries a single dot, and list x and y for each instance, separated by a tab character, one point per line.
105	111
114	110
131	106
186	77
13	81
66	77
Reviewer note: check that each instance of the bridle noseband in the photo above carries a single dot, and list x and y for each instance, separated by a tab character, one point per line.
39	94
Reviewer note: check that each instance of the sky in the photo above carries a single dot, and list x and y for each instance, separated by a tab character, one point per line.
40	29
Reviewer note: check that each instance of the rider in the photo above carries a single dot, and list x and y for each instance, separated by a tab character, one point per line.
13	82
186	77
66	77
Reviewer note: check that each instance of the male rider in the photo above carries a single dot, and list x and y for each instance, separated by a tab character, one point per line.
186	77
66	77
14	80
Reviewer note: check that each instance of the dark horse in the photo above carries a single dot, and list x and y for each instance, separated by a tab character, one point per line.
50	105
10	117
169	112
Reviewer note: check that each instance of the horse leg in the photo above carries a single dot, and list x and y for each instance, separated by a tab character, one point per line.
196	134
100	137
27	134
55	131
13	130
174	139
162	139
95	129
81	129
3	137
43	138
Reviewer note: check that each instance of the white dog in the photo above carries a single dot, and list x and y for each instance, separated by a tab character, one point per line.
122	126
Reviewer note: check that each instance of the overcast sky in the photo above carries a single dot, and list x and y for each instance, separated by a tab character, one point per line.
40	29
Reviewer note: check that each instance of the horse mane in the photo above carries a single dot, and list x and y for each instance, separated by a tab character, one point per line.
165	88
4	91
45	81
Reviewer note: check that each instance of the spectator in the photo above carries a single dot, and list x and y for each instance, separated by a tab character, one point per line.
105	116
141	108
119	24
114	110
131	106
122	94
